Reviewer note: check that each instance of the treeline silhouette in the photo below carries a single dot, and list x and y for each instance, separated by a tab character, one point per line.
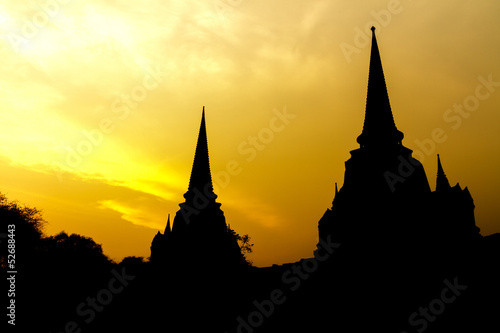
65	283
53	272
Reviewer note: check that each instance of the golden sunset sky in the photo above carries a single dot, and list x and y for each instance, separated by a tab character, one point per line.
102	100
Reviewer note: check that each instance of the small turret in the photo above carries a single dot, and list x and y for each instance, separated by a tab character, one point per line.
168	230
442	183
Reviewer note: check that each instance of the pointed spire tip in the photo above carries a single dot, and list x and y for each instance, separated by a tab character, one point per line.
441	181
379	127
201	177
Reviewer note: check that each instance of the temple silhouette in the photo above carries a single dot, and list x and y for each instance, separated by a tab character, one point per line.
200	235
387	246
392	256
399	240
383	183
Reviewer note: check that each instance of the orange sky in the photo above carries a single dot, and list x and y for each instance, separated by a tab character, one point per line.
101	104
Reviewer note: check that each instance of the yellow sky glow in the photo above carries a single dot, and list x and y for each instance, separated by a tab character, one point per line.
101	104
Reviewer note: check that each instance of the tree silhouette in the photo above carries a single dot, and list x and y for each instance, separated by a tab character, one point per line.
12	212
244	243
54	273
75	248
29	226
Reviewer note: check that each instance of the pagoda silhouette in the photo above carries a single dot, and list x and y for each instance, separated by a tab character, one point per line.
199	236
386	196
399	246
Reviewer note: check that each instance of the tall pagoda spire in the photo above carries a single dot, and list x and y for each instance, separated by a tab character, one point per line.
442	182
201	178
379	127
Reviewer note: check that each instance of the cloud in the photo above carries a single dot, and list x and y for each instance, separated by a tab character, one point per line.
139	211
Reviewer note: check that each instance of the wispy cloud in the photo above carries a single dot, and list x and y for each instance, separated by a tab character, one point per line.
137	211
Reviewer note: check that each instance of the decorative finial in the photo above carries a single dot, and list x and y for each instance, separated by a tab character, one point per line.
372	28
